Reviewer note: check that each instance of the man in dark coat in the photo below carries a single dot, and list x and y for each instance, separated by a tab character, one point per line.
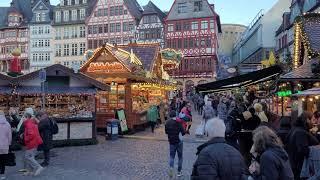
175	131
216	159
45	129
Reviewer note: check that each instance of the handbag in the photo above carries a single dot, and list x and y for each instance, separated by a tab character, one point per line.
10	159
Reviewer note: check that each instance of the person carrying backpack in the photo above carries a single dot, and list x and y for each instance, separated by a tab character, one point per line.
47	129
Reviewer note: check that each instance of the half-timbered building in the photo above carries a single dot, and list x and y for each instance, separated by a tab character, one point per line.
14	33
113	22
151	26
192	27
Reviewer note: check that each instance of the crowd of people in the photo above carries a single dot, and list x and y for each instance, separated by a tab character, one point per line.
33	131
245	142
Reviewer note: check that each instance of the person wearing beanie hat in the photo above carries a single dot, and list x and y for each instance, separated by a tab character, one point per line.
175	131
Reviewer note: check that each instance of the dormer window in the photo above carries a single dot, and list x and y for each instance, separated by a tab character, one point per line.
197	6
38	17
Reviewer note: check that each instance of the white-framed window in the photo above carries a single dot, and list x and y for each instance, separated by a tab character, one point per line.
66	16
170	27
212	25
47	29
34	30
38	17
84	1
43	17
194	26
69	2
204	24
82	48
41	57
82	31
47	57
47	43
58	16
198	6
66	33
76	2
58	50
40	30
182	7
58	33
82	14
34	57
74	33
34	43
74	49
40	44
74	15
66	50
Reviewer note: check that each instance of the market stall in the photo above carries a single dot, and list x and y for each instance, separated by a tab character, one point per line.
127	69
67	97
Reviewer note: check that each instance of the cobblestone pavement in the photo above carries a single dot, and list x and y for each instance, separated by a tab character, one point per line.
124	159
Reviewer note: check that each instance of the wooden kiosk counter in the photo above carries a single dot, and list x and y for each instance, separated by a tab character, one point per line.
135	75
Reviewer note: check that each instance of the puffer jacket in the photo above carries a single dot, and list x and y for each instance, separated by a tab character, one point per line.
32	138
218	161
173	129
5	135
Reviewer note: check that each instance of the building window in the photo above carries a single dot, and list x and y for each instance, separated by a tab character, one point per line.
112	27
125	11
179	43
106	28
43	17
204	24
65	16
66	50
40	30
186	26
58	16
74	33
47	57
74	49
47	30
82	48
82	14
182	7
90	46
66	33
58	33
47	43
74	15
82	31
38	17
40	43
89	29
105	11
194	26
197	6
94	29
178	26
170	27
212	26
118	27
34	31
112	12
118	40
100	28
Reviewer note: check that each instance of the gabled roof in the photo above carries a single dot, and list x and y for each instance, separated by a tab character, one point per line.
151	8
66	70
147	53
134	8
285	23
303	72
3	16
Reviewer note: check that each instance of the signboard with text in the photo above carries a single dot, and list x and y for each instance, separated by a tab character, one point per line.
107	67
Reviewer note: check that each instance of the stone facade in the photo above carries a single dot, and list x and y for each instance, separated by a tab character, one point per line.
41	36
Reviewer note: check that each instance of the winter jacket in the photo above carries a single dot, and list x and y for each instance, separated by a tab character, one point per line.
45	129
208	112
5	135
173	129
311	165
298	142
283	133
218	161
252	123
222	111
153	114
274	165
32	138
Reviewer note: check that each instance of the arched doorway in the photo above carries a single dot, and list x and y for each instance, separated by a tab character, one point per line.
202	82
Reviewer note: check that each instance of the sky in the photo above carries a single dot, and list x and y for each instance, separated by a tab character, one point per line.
230	11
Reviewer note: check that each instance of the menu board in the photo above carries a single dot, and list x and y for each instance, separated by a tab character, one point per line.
120	115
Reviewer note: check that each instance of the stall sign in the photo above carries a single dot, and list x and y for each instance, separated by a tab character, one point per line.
123	121
284	93
107	67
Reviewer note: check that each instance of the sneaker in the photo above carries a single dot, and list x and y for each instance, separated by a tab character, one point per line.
27	173
179	174
171	172
3	178
38	171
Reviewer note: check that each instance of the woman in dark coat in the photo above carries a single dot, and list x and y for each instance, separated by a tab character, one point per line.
298	141
45	129
272	160
285	127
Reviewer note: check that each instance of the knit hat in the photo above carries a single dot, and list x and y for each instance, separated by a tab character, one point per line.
29	111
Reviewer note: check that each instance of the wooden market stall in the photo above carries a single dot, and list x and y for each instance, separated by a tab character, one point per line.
135	74
67	97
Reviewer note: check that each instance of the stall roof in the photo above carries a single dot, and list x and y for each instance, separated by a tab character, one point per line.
56	90
309	92
242	80
66	70
5	90
301	73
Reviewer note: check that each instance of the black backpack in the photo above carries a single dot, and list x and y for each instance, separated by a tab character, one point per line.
54	127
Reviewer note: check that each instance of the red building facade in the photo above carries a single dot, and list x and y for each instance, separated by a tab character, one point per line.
192	27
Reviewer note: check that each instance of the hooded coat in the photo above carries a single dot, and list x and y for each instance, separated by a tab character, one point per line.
219	161
5	135
45	129
275	165
32	138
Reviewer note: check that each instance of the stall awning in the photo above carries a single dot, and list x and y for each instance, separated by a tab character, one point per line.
302	73
56	90
309	92
242	80
6	90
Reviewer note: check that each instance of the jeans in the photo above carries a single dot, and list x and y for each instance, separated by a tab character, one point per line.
2	163
179	149
46	154
30	161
